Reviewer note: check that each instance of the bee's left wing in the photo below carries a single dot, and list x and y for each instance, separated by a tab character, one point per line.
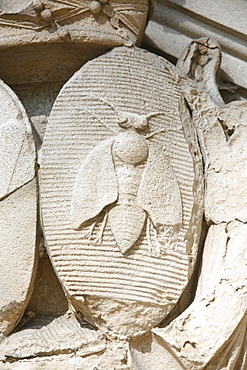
159	193
17	156
95	186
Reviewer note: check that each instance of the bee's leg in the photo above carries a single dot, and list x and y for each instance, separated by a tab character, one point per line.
92	228
99	238
149	238
88	233
158	245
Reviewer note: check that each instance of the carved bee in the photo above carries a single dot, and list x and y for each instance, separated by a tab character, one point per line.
128	177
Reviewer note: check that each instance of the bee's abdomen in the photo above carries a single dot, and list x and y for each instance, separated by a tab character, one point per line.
128	178
127	218
126	223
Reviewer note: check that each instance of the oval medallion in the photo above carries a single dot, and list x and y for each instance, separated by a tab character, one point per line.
18	209
121	188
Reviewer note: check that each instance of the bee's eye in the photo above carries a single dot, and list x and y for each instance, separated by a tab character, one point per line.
140	125
125	124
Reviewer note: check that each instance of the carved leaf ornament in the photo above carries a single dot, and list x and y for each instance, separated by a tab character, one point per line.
121	191
38	15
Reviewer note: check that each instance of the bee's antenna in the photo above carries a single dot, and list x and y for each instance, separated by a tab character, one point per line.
152	114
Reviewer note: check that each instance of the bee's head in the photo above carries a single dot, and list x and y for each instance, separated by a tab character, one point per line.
133	121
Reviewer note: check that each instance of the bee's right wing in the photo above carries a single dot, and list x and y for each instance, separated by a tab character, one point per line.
95	186
159	193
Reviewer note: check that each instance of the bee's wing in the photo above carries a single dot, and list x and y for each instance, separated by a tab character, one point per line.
17	156
159	193
95	186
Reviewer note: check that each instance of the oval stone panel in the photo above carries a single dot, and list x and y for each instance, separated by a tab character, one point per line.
121	191
18	209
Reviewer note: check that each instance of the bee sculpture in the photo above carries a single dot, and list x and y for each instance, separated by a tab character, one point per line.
129	179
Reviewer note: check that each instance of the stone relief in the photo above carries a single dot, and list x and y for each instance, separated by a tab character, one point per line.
126	195
221	289
40	15
135	151
132	177
18	210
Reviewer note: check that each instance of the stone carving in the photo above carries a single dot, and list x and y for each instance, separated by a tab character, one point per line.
200	61
200	336
18	210
125	200
42	332
175	21
129	143
135	179
40	15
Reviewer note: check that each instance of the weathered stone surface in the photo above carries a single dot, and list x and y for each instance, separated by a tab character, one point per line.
49	335
38	36
225	141
60	21
202	331
108	260
122	187
200	61
48	297
17	150
222	131
176	23
17	254
18	210
38	103
149	353
211	333
56	362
